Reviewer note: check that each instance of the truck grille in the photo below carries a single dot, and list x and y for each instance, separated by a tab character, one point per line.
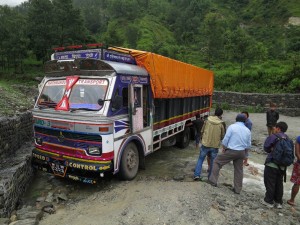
68	134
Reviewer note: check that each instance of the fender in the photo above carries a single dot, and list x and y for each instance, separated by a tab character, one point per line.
140	143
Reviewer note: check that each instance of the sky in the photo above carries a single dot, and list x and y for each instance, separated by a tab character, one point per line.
11	2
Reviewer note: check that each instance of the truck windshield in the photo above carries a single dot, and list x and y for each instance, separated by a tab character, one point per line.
84	94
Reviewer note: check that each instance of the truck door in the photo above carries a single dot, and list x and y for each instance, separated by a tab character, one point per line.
136	107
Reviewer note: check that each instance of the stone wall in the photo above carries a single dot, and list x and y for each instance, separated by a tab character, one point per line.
15	175
287	104
15	159
14	131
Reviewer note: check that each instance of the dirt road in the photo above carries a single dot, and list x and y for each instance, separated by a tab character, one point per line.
165	193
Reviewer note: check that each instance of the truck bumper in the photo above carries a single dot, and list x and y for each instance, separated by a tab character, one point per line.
86	171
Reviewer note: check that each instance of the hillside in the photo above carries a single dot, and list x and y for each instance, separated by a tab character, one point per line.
16	97
252	46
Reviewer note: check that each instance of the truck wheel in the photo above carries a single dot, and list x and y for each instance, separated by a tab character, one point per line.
129	162
183	138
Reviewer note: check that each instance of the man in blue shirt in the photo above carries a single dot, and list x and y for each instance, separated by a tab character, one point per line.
235	143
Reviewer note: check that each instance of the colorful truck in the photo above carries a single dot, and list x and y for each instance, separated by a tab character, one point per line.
103	110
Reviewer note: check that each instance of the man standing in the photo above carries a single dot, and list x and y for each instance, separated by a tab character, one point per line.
198	123
295	174
235	143
212	133
273	173
248	124
272	118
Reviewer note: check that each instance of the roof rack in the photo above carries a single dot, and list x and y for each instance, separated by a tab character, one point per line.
78	47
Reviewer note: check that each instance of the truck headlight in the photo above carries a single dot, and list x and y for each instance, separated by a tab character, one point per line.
93	150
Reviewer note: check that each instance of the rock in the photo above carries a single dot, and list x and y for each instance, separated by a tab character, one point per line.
178	178
29	213
4	221
62	196
40	199
49	210
13	218
50	197
25	222
42	205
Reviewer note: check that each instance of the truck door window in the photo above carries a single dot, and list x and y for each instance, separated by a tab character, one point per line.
125	97
137	97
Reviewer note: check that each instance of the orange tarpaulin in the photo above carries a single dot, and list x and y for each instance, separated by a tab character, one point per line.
171	78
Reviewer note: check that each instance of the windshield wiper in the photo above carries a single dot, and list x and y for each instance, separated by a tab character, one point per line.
87	109
46	106
42	107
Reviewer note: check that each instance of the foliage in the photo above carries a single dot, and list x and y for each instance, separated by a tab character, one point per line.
15	97
14	42
249	44
269	77
41	27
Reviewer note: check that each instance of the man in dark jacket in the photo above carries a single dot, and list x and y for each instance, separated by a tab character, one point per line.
198	123
273	174
272	118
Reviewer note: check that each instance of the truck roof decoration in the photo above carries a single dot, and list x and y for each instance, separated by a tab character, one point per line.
90	67
78	51
171	78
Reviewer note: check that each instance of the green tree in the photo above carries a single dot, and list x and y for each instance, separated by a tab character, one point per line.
68	24
113	35
13	44
239	44
124	9
132	35
259	52
41	27
186	17
95	14
213	29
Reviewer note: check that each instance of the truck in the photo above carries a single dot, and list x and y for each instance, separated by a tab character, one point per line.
102	110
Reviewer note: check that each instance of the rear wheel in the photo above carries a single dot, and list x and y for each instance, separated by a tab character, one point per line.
129	162
183	139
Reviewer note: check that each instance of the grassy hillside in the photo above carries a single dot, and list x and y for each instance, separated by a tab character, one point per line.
293	7
16	96
248	44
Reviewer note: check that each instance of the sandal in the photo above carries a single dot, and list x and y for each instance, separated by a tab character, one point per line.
290	203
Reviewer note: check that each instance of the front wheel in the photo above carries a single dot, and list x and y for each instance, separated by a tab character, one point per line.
129	162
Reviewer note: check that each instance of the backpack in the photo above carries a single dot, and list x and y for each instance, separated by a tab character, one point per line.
283	151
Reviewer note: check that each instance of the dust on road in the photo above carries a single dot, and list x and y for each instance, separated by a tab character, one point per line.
165	193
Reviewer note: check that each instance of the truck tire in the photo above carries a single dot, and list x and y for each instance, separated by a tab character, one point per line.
183	138
129	162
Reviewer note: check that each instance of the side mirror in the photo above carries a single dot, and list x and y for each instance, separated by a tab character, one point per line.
100	102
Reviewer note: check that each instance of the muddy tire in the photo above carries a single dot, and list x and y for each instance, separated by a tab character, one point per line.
129	162
183	138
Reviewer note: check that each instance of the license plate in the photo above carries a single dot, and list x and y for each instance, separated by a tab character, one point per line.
58	169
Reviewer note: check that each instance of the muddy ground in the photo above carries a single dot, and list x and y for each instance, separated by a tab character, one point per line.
165	192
